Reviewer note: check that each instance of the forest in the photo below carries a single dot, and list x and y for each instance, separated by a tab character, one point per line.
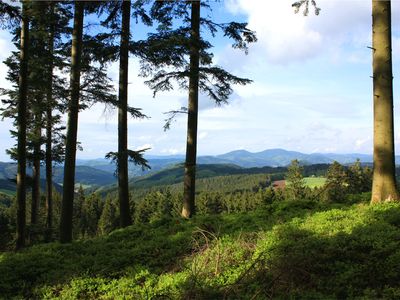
200	228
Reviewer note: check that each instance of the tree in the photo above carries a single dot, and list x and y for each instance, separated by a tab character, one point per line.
384	180
295	188
189	181
359	179
49	126
123	189
335	188
118	20
384	186
170	48
92	208
72	127
21	151
109	218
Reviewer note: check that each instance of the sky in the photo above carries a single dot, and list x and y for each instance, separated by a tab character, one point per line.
311	90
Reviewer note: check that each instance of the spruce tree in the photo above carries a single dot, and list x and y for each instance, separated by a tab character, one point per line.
295	187
72	127
119	15
171	48
22	107
384	180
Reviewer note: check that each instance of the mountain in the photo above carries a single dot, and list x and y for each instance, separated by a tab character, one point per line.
157	163
281	157
242	158
100	172
84	175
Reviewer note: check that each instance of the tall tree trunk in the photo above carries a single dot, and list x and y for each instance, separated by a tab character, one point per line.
384	181
123	187
21	148
72	127
191	143
49	125
36	166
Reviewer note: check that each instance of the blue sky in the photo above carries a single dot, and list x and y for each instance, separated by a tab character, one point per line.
312	90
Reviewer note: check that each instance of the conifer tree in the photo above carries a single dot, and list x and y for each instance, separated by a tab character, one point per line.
123	189
89	58
384	187
171	47
122	10
295	188
22	106
72	127
49	124
384	181
109	219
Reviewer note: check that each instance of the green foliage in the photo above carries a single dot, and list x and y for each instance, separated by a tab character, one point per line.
296	187
291	249
314	182
343	181
92	208
359	179
109	219
6	228
335	188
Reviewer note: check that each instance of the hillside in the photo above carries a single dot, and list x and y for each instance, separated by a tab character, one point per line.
87	176
97	173
298	249
175	174
242	158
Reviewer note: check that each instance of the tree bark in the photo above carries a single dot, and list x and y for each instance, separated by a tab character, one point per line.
384	181
49	126
36	166
72	127
21	148
123	180
189	189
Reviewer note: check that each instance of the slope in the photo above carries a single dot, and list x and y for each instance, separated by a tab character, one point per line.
298	249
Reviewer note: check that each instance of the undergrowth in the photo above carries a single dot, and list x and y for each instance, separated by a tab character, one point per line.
297	249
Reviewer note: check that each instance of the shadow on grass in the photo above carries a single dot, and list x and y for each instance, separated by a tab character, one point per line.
350	257
290	259
154	246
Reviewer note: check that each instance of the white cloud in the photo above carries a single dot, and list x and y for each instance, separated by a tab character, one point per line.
286	37
203	135
145	146
173	151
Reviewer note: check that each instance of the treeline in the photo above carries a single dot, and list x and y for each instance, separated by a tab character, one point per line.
97	214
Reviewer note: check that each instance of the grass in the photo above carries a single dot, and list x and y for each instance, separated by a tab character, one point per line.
290	249
313	182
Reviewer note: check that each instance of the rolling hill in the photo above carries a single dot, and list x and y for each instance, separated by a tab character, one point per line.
97	173
242	158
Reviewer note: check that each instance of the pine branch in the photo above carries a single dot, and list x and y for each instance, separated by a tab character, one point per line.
172	115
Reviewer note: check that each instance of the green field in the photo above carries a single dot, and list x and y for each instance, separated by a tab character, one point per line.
313	182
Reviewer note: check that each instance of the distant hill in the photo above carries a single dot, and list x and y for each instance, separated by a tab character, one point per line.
100	172
281	157
174	175
242	158
84	175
